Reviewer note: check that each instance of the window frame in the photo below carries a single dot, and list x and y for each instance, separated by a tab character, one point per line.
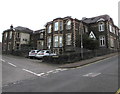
68	40
56	25
60	41
56	41
60	25
68	26
102	41
49	41
101	26
49	28
10	35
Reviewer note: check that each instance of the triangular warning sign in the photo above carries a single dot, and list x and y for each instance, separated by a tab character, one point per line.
91	35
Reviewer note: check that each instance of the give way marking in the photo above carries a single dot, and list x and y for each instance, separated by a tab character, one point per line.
92	74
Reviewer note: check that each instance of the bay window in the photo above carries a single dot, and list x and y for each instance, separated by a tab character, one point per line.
49	42
49	29
60	25
56	26
110	28
60	41
68	24
10	35
68	39
56	41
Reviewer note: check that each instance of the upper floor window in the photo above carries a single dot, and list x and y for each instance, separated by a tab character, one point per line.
117	32
86	29
56	26
10	35
68	24
60	25
68	39
113	30
41	35
49	29
5	35
102	40
101	27
110	28
18	35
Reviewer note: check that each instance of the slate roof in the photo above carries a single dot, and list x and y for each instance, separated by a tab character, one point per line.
39	31
23	29
95	19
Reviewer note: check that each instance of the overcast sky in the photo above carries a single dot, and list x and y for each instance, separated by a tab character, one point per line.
34	14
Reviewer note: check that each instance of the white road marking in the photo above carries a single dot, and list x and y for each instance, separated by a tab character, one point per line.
30	72
2	60
12	64
40	74
50	71
61	69
92	74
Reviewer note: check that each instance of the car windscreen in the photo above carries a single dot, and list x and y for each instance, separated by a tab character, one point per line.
32	51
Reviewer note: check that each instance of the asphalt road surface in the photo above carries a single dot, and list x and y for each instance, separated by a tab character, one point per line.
101	76
15	69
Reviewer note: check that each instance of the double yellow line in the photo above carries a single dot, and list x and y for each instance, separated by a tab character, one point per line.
118	92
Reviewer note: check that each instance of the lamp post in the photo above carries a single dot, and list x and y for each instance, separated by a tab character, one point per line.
81	40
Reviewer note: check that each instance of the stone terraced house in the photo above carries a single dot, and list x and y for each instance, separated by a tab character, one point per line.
37	39
15	39
103	29
62	35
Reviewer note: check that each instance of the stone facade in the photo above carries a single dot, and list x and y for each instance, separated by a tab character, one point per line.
63	35
104	30
15	39
37	39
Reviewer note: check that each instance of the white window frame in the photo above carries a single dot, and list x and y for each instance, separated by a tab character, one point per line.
113	28
49	29
101	26
10	35
5	35
60	41
56	26
68	39
56	41
102	41
110	28
49	41
41	35
60	25
117	32
68	24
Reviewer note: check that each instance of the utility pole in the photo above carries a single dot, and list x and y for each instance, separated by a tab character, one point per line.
81	39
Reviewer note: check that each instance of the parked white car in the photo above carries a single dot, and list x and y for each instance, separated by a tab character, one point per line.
43	53
33	53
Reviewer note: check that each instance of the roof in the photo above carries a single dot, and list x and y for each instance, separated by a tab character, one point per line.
95	19
23	29
39	31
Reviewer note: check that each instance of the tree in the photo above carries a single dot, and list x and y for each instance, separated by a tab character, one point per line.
90	43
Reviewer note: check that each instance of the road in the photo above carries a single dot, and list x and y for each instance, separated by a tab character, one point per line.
16	69
101	76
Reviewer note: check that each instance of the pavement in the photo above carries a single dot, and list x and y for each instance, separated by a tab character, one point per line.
88	61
